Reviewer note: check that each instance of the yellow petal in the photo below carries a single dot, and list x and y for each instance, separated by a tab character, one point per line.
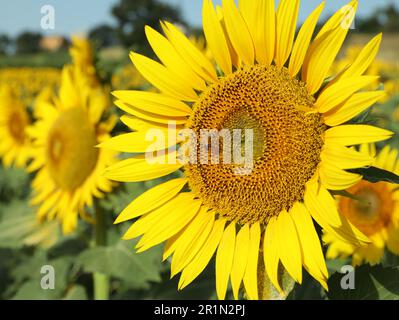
177	214
323	209
172	60
391	160
137	124
381	159
224	260
270	253
364	59
239	34
69	97
154	103
144	223
286	19
341	91
312	254
355	105
251	271
319	200
353	134
139	142
148	116
215	37
240	259
189	52
247	9
368	149
235	60
171	245
334	178
342	18
161	78
289	247
303	40
320	57
139	168
192	239
152	199
345	158
200	261
393	241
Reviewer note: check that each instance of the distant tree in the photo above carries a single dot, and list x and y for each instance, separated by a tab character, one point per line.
133	15
392	19
28	42
385	19
104	36
369	25
5	43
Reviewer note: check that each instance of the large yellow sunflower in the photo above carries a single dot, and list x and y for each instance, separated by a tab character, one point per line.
15	146
64	139
374	210
261	78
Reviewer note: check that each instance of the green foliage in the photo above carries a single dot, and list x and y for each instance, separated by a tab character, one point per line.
132	16
374	174
28	42
120	261
42	59
5	42
16	222
371	282
14	184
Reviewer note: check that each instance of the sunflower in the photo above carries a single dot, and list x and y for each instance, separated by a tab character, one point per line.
15	147
81	52
260	78
374	210
64	139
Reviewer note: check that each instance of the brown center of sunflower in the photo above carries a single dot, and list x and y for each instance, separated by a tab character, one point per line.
373	207
17	123
71	151
286	147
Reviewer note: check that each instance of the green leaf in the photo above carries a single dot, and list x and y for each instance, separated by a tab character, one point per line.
390	259
370	283
122	262
31	290
373	174
14	184
19	226
76	292
309	289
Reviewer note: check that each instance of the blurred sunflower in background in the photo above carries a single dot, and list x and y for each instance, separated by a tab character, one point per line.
374	210
82	55
28	82
387	70
270	82
15	147
127	77
64	139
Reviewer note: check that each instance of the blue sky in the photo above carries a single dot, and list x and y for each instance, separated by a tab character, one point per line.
78	16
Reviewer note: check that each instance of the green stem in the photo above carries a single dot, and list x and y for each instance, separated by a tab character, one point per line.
101	281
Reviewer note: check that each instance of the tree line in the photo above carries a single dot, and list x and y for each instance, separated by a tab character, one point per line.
132	15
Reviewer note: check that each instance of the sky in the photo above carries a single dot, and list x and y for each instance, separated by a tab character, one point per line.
79	16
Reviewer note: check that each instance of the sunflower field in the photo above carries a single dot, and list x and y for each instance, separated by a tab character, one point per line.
254	158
